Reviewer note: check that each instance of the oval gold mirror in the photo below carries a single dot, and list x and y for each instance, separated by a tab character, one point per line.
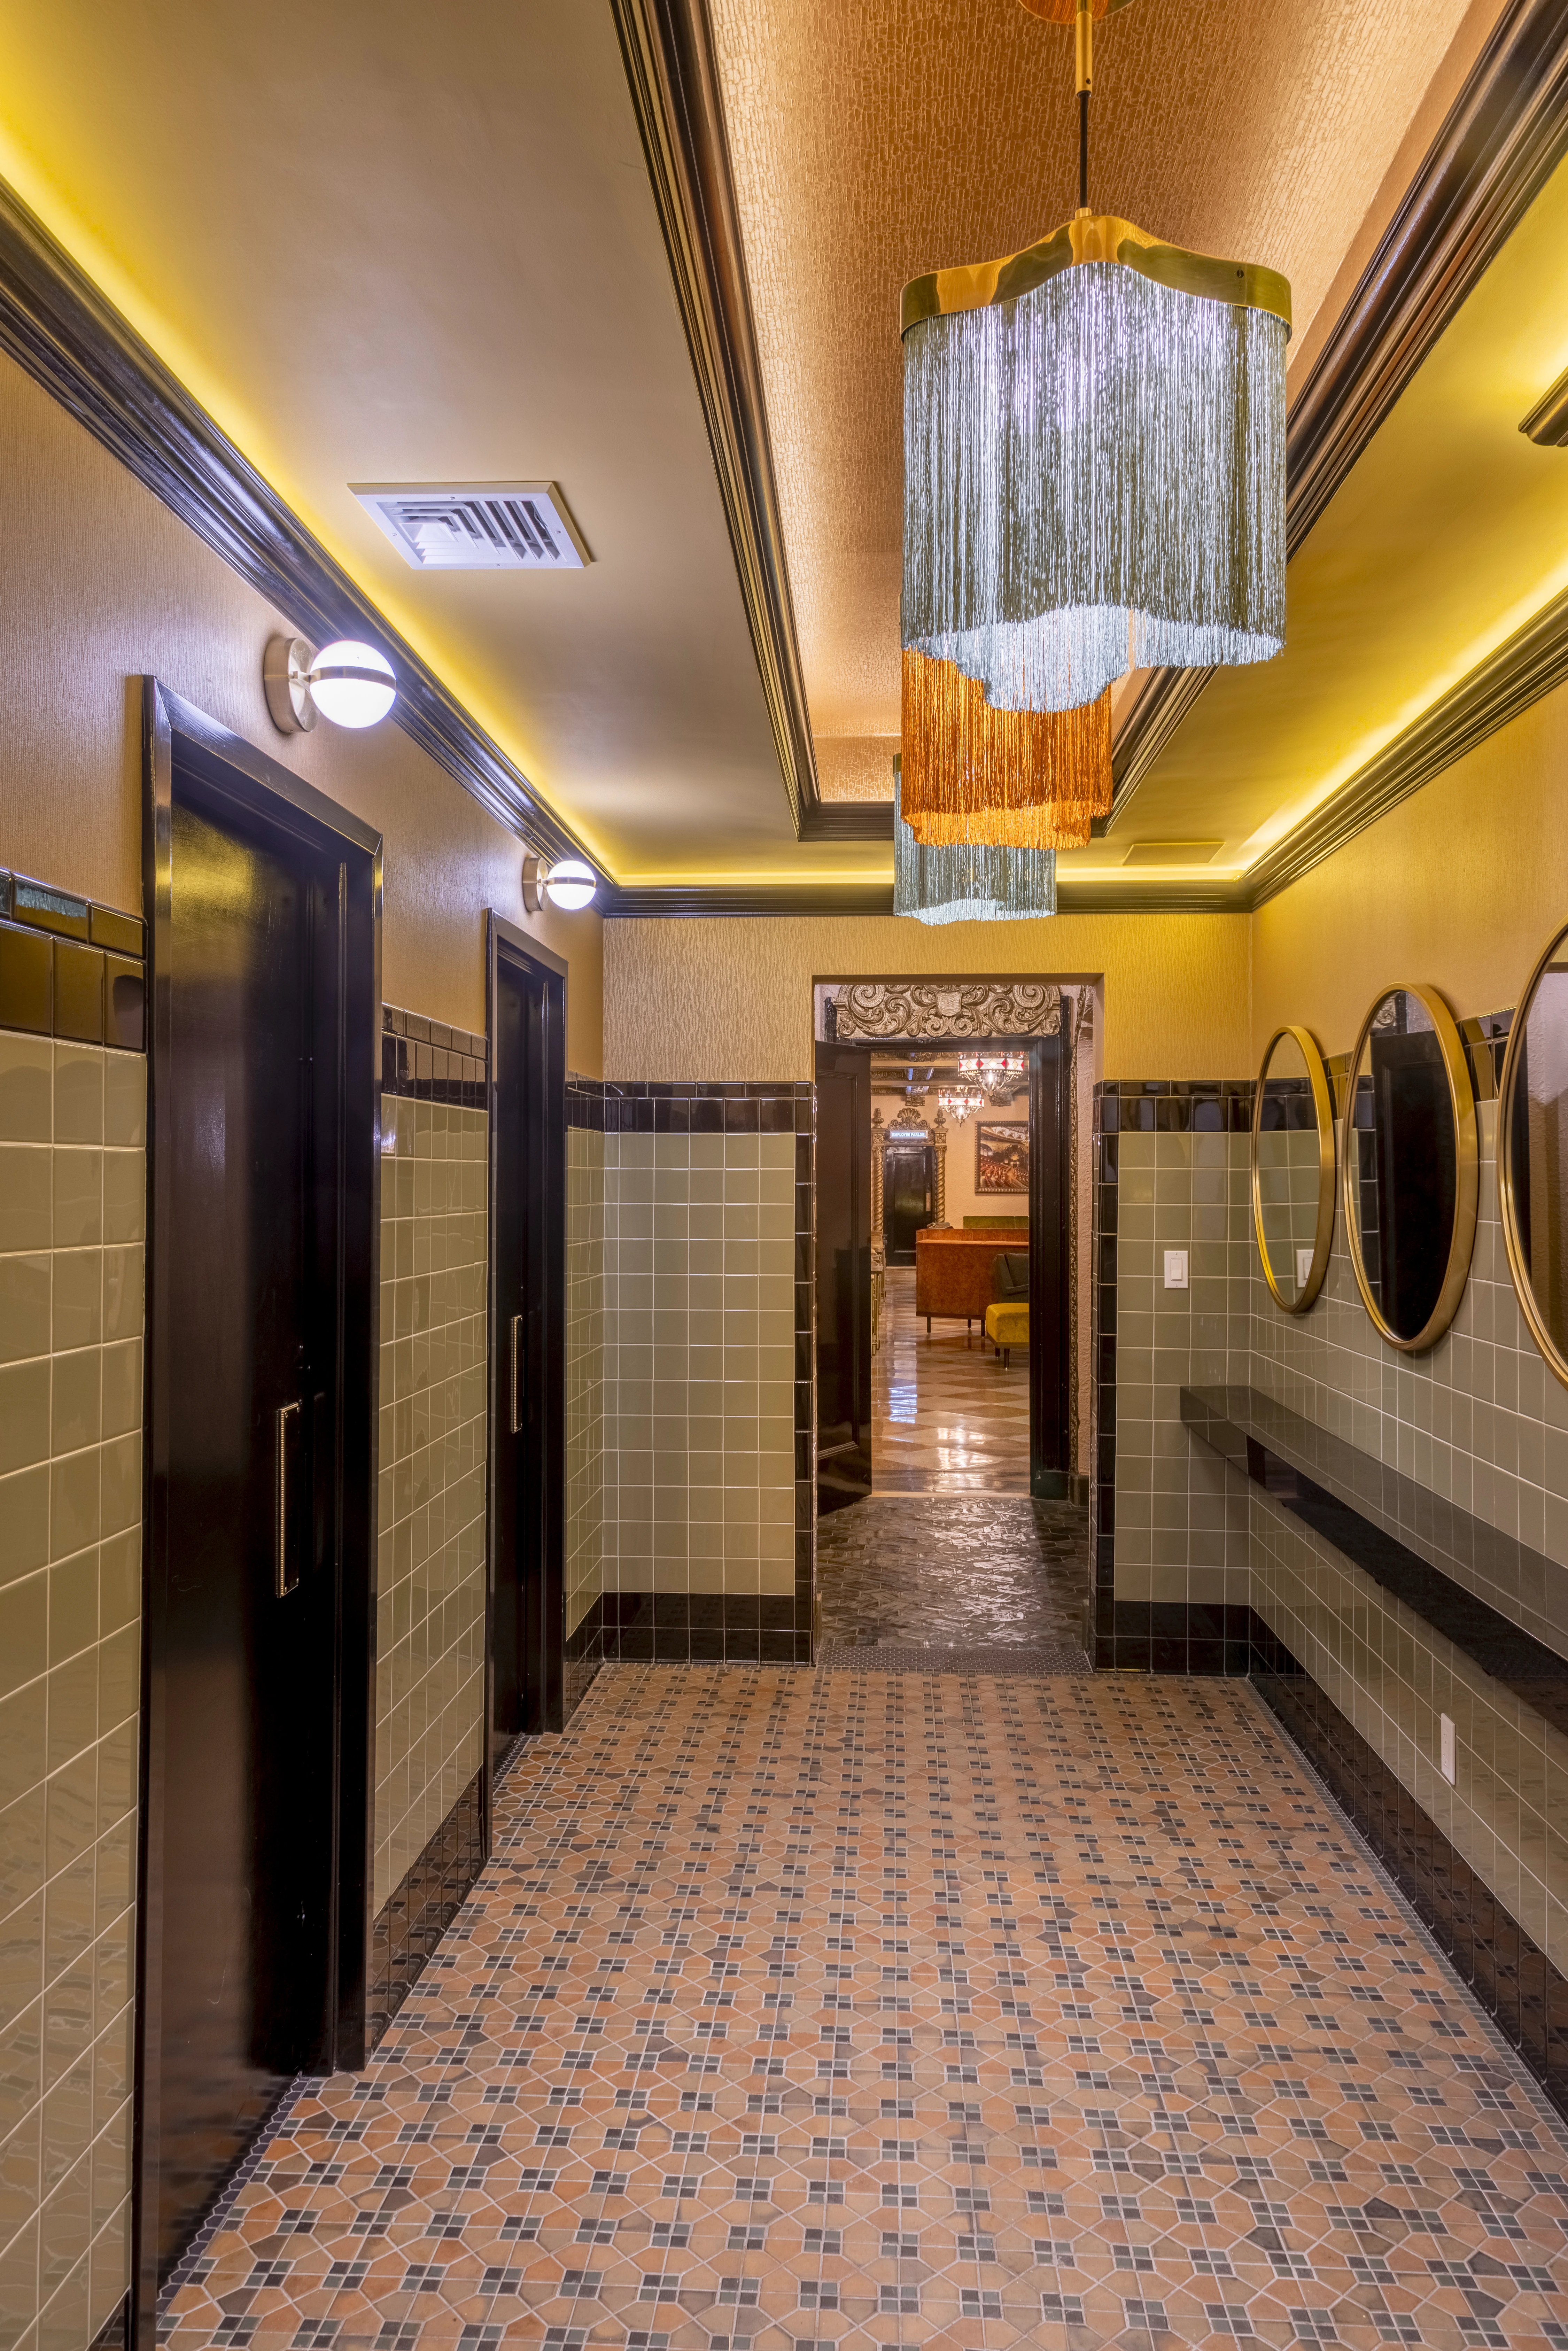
1409	1161
1292	1168
1532	1153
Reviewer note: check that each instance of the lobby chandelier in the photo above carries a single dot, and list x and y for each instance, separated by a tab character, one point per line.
1094	454
958	1102
968	880
997	1074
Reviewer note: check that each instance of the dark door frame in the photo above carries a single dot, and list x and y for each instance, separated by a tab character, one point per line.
540	1694
1050	1367
232	769
841	1274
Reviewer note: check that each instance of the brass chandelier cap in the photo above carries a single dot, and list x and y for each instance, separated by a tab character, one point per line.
1095	236
1065	12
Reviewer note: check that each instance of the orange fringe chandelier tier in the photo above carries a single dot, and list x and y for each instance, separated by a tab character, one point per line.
1013	779
1094	456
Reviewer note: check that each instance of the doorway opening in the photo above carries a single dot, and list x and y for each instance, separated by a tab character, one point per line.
526	1647
948	1225
263	904
950	1163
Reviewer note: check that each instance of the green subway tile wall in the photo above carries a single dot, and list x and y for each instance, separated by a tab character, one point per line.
1181	1526
72	1207
584	1513
699	1362
430	1578
1479	1418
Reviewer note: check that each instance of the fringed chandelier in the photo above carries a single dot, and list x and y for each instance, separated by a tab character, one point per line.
968	880
1015	780
1094	456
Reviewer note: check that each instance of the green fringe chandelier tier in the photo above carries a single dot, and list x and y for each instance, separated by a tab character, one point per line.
968	880
1094	461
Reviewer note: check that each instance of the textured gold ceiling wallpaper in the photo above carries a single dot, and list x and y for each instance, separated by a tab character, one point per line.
871	140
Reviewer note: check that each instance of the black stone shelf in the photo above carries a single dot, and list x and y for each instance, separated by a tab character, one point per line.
1408	1539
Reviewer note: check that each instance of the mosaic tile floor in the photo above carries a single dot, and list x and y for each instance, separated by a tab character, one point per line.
849	2010
953	1568
945	1417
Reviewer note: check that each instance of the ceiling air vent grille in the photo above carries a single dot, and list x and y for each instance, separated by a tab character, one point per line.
477	526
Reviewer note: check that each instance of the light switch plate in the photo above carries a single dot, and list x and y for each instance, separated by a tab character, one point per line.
1447	1761
1305	1267
1175	1268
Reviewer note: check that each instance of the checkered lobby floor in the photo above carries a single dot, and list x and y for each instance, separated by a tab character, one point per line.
859	2009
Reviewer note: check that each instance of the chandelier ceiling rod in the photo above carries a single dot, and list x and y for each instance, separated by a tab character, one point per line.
1084	26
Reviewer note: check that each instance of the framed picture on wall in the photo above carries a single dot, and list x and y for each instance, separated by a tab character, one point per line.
1001	1157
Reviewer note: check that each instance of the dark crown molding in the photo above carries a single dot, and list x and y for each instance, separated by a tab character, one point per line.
56	325
674	77
1527	667
1501	140
662	904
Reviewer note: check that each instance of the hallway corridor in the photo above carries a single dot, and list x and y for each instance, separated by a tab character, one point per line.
945	1417
810	2008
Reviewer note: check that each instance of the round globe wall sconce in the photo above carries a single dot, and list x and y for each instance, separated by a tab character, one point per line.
348	683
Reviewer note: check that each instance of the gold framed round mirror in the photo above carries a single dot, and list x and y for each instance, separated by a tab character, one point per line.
1532	1153
1410	1168
1292	1168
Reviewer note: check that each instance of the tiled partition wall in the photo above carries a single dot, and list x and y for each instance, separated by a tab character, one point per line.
431	1525
1169	1527
72	1209
585	1302
708	1508
1480	1421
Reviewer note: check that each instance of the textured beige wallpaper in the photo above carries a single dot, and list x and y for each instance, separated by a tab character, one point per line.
733	998
1461	885
98	583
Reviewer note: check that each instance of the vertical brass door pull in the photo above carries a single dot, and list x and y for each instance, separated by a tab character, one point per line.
517	1375
288	1420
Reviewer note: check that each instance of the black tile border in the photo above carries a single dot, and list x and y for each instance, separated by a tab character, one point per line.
414	1917
1134	1106
1395	1531
741	1107
675	1628
1512	1977
1177	1636
425	1060
69	967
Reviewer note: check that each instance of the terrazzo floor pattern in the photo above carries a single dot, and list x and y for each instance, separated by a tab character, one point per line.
945	1417
853	2009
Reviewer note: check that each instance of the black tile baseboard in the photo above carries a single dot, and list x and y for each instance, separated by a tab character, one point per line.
1512	1977
679	1628
417	1915
1173	1637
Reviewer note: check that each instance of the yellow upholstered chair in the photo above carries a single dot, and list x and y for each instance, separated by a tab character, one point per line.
1007	1327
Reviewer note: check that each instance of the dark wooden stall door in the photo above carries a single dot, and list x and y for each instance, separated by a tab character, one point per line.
243	1867
527	1387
